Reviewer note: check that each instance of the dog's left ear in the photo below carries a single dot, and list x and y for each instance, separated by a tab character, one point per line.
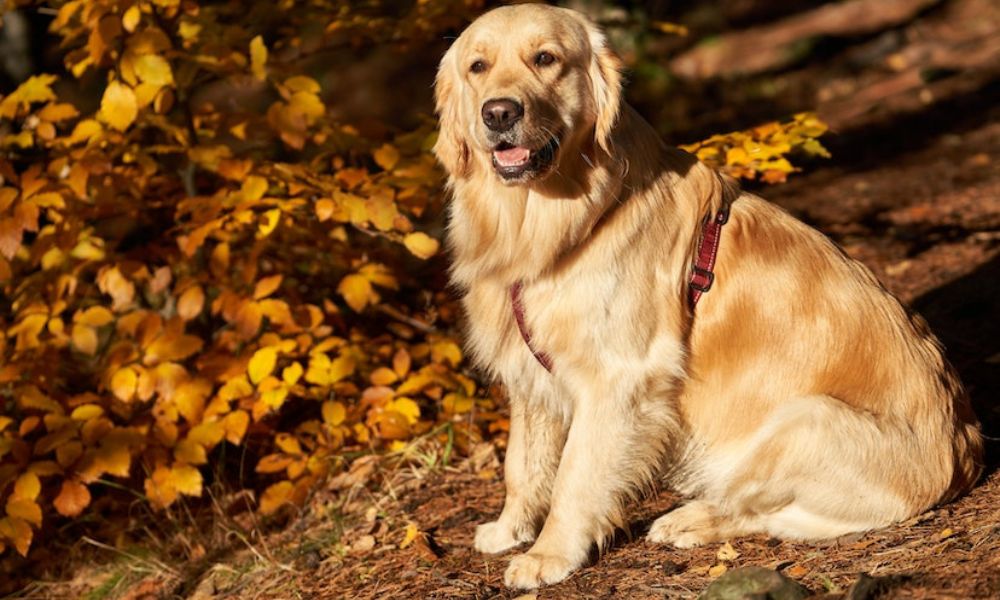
606	82
451	148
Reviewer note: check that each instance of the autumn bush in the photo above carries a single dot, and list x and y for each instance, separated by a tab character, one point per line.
182	272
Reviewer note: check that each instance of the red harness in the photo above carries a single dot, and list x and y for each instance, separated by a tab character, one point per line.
702	278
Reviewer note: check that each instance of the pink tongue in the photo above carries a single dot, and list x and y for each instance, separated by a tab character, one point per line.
512	156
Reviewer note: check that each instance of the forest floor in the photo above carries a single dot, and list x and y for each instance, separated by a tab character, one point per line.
912	190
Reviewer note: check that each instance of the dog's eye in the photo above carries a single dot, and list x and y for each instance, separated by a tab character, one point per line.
544	59
478	66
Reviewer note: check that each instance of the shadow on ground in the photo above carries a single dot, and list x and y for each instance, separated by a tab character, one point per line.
965	315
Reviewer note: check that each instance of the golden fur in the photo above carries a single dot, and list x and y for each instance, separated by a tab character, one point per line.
799	399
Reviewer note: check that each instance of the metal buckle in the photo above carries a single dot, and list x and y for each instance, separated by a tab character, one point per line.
708	275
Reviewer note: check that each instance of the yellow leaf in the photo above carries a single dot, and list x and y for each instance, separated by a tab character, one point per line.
27	486
154	69
357	291
130	20
275	497
292	373
266	286
85	412
271	219
235	388
262	363
406	407
191	302
258	58
421	245
187	480
386	156
123	383
457	404
727	552
717	570
274	398
446	352
72	499
119	107
85	339
288	444
18	531
254	187
319	369
334	412
235	424
380	275
411	534
301	83
341	367
190	452
207	433
22	508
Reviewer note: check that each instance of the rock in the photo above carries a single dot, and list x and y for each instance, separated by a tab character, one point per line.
754	583
868	588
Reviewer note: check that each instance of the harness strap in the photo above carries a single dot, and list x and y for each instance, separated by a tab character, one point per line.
702	278
518	305
702	275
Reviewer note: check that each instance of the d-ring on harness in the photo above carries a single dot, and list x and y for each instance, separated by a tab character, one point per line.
702	278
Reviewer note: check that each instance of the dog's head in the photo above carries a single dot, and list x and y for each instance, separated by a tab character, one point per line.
521	87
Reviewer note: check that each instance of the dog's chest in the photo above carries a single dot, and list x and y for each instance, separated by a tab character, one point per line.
583	322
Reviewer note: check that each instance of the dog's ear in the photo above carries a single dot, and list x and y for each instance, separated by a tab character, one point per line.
451	148
606	82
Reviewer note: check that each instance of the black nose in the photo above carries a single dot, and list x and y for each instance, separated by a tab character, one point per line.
500	114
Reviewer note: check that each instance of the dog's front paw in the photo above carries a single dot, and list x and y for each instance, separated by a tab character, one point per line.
496	537
528	571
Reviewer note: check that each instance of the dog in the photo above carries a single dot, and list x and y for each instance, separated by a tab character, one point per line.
651	321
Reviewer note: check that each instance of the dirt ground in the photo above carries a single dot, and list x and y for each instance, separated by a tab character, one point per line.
912	190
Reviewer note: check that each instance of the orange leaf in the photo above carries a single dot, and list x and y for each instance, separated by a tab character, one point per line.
236	424
191	302
357	291
72	499
275	497
265	287
272	463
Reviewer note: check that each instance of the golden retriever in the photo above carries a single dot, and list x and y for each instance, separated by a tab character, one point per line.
798	398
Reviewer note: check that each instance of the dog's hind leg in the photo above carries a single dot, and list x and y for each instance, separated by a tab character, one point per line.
816	469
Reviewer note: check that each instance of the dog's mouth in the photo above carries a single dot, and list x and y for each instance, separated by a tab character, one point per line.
514	163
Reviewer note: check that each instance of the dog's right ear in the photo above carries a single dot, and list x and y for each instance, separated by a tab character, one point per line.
451	149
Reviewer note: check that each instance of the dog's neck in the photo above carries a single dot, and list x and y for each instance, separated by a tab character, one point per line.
510	233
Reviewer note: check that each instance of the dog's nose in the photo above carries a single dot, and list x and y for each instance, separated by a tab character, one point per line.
500	114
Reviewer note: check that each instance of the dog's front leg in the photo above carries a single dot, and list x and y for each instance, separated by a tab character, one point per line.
533	448
615	444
